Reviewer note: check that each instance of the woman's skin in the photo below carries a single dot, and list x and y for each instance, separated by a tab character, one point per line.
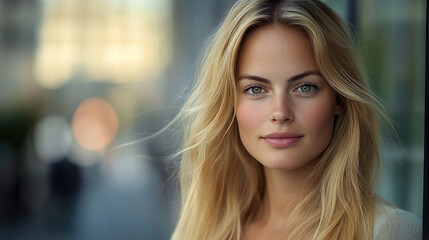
285	116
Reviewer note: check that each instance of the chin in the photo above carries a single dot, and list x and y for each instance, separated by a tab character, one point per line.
287	164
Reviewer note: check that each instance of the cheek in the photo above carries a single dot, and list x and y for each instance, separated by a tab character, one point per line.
249	117
320	117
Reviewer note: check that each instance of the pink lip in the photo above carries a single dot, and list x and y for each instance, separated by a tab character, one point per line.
282	139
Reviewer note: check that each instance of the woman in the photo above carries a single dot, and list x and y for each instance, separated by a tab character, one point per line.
280	137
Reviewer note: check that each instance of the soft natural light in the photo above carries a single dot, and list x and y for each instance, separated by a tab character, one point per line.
115	41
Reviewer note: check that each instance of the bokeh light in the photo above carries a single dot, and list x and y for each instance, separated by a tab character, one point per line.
52	138
63	58
119	42
95	124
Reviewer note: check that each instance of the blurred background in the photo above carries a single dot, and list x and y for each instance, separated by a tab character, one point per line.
82	81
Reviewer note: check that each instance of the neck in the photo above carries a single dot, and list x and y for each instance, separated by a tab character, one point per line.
283	191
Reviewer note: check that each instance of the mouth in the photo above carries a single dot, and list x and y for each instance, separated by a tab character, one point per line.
282	139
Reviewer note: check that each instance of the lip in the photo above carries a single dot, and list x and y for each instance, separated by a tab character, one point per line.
282	139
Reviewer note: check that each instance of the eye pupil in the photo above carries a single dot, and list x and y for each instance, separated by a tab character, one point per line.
256	90
306	88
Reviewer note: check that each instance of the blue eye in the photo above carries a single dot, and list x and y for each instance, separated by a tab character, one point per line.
254	90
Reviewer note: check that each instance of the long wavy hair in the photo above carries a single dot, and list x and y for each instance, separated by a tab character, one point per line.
222	185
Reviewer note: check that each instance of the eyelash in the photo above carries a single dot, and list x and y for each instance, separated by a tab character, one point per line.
246	90
312	85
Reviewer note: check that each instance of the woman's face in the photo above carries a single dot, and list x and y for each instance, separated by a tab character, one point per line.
285	108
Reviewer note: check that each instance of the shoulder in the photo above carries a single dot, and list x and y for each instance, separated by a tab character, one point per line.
396	224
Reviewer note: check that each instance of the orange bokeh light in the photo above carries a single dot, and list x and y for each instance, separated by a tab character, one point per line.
95	124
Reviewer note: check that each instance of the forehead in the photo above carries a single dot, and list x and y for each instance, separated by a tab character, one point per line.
276	48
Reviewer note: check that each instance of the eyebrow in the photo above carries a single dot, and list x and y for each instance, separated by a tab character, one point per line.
294	78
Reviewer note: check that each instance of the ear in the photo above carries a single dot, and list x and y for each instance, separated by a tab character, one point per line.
339	105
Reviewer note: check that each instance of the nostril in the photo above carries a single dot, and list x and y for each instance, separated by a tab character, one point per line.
280	118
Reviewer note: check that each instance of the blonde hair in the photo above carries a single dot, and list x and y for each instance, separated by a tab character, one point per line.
222	185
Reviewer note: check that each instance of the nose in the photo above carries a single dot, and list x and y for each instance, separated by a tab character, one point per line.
281	110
